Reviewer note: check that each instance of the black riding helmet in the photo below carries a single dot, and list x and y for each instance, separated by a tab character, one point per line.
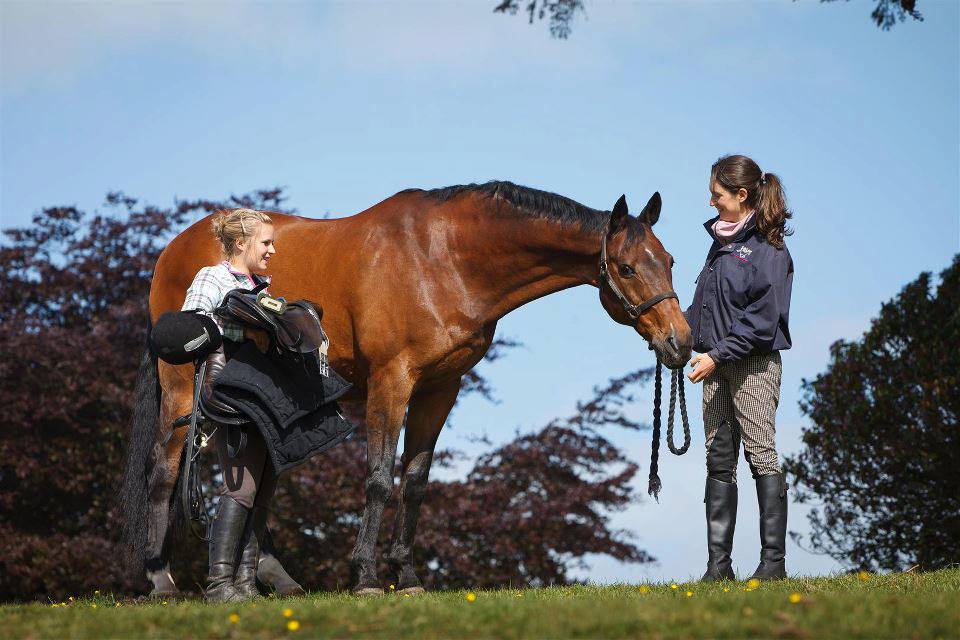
184	336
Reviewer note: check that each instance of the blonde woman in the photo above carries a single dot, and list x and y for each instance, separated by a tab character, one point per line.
236	534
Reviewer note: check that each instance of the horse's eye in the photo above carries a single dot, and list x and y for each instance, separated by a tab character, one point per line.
626	271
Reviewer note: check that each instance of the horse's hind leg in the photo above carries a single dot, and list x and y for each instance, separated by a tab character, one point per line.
428	412
174	403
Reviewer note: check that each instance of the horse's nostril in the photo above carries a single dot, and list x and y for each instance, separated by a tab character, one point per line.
673	344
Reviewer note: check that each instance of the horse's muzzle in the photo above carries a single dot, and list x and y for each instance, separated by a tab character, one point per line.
672	352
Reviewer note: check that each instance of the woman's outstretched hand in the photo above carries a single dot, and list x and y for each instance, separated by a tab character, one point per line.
703	365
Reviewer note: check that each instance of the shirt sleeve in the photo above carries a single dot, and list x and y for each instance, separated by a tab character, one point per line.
755	328
203	294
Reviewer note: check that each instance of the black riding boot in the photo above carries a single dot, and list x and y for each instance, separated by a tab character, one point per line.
246	580
772	496
225	533
721	501
271	573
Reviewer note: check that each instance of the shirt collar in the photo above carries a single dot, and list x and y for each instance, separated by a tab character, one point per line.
255	278
740	237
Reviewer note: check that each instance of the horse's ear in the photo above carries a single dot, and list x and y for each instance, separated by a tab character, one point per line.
618	219
651	212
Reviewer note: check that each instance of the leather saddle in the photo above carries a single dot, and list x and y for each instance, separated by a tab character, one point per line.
293	327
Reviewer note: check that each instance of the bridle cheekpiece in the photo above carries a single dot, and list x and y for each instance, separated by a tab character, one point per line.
633	310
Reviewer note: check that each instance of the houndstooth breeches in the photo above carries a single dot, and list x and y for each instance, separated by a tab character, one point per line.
740	401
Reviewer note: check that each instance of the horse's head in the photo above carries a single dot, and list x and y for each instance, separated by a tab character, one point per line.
636	285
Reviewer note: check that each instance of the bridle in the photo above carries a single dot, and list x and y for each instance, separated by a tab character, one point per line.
676	378
633	310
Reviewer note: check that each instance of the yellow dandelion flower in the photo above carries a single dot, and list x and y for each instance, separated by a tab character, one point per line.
63	604
293	625
287	613
863	576
689	594
93	606
519	595
116	605
97	592
753	583
726	589
70	598
233	618
748	589
674	586
471	596
644	589
795	598
164	602
392	587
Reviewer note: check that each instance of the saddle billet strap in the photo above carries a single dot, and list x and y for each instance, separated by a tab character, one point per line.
191	494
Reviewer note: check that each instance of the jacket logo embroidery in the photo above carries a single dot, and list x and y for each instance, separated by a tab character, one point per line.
742	253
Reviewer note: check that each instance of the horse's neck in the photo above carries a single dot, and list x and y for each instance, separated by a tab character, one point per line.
518	260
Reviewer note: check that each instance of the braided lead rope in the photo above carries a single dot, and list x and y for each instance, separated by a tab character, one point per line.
676	388
676	379
653	482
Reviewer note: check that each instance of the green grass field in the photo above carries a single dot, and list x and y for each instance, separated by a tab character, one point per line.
904	605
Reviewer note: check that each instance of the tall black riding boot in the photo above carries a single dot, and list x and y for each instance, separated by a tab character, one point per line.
271	573
772	496
225	533
721	501
246	580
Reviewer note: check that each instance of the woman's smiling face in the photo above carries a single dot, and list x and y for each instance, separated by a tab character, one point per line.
729	204
258	249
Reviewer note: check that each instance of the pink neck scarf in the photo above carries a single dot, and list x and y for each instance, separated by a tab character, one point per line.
725	231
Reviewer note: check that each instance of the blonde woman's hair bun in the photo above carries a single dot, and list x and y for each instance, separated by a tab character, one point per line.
230	225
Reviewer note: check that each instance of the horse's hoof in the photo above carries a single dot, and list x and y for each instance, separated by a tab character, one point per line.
164	594
412	591
292	592
367	592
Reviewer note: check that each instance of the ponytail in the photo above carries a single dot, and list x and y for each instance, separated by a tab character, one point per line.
764	193
771	210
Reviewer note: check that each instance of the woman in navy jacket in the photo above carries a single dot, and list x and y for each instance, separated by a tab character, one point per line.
739	319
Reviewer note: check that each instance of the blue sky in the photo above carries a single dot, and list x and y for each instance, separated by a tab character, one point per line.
347	103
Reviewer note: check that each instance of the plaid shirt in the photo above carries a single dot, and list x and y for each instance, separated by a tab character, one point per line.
208	289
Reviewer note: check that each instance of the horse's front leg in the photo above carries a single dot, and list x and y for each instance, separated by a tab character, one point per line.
388	392
429	409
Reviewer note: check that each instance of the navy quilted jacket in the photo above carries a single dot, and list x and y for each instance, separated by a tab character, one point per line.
742	302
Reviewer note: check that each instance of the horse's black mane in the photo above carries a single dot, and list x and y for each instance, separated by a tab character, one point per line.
533	202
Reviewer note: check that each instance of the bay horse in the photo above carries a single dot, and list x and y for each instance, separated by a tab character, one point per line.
412	290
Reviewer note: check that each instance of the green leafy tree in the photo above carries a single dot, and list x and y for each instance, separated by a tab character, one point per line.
882	456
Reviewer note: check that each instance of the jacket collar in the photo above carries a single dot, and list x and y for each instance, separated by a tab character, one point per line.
740	237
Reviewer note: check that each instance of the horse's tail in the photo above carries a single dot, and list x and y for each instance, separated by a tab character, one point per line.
139	474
